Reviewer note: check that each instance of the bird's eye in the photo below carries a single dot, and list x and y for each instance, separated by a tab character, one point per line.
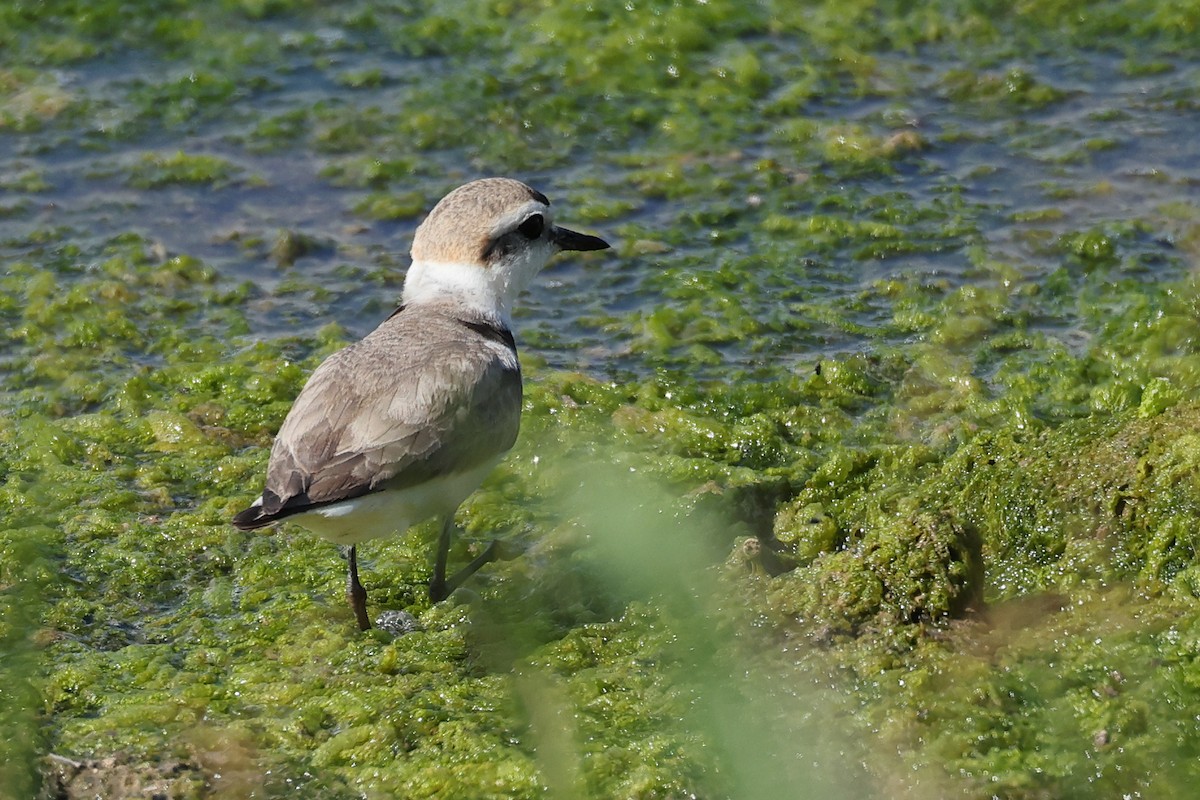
532	228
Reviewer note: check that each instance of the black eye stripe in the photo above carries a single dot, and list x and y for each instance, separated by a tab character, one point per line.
530	230
532	227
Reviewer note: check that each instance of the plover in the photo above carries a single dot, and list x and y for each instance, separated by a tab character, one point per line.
403	425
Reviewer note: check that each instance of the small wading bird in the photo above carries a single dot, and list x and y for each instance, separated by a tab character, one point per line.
403	425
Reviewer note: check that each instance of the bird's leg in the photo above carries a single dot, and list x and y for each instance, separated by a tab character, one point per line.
439	587
356	594
485	557
437	584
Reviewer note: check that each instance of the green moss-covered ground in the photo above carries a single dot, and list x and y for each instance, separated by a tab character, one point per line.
866	464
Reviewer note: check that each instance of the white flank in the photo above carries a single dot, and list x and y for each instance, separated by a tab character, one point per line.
392	511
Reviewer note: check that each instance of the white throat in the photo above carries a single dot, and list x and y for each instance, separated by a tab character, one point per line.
486	291
490	291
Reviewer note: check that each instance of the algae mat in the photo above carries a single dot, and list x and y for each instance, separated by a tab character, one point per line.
866	464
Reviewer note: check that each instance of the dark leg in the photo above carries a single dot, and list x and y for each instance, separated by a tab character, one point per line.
356	594
437	584
485	557
439	587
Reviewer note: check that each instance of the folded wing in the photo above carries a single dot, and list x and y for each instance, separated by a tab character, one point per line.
389	412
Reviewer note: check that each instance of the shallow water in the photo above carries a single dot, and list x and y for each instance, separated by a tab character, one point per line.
1115	148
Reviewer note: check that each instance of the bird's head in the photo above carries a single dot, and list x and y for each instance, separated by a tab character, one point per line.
483	243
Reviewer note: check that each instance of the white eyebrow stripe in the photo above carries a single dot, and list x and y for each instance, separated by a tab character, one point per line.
511	220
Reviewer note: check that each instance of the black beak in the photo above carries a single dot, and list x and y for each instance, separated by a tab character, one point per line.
570	240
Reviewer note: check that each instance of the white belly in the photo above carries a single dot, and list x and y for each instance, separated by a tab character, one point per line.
392	511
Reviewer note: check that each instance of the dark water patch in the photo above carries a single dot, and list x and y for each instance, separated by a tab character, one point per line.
976	187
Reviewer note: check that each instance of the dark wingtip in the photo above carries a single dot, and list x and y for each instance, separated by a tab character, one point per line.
250	519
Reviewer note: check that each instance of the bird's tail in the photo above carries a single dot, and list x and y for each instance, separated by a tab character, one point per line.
252	518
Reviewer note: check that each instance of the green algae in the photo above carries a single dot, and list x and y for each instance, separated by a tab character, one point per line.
154	171
984	478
